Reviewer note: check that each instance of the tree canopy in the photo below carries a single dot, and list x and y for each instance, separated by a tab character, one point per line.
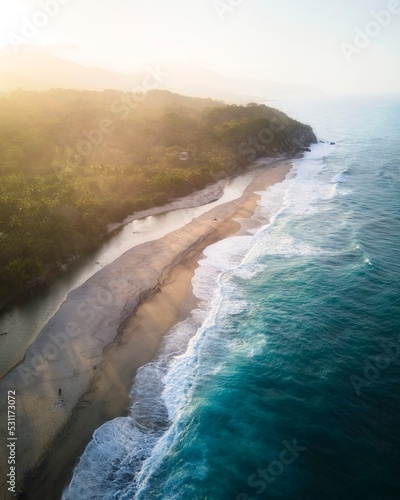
72	161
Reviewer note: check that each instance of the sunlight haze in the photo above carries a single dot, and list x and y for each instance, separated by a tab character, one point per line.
301	43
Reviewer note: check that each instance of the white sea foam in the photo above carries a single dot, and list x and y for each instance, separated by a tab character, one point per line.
341	177
304	193
161	390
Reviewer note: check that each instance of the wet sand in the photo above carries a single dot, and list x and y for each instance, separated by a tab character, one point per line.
106	330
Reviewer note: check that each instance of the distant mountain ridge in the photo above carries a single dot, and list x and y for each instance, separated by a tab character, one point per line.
46	71
36	70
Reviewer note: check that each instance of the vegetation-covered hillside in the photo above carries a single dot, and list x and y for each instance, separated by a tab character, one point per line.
73	161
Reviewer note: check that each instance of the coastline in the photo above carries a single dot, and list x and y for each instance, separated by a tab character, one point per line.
95	368
139	228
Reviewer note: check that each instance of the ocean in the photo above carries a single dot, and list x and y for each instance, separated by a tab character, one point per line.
285	382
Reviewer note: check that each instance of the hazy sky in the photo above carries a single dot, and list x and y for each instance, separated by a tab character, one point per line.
305	42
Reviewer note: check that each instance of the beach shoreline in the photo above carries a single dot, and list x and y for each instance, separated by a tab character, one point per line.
137	229
117	316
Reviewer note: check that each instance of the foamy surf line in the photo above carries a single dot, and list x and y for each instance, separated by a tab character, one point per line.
139	273
161	393
134	447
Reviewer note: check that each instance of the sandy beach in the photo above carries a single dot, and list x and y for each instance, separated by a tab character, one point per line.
104	331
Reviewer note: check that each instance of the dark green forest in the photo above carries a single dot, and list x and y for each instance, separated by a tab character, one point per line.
71	162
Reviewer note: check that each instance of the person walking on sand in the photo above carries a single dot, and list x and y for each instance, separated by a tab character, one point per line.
59	391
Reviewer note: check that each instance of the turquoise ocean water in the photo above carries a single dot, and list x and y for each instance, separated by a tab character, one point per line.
285	383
